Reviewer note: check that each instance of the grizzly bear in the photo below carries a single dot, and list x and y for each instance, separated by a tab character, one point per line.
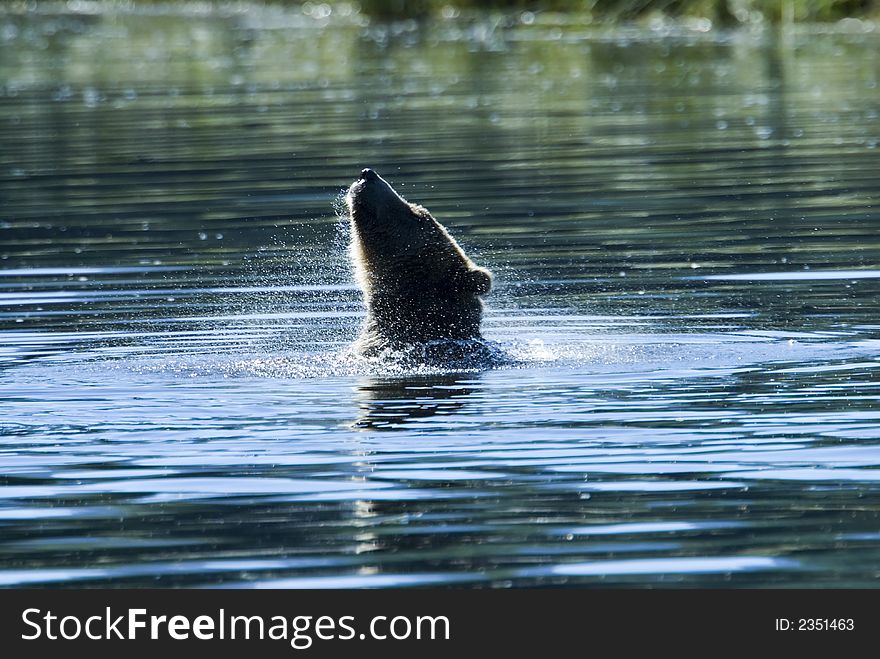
419	286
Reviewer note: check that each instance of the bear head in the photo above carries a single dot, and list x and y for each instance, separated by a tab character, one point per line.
418	284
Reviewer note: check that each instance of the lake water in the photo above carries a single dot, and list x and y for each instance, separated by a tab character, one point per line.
683	227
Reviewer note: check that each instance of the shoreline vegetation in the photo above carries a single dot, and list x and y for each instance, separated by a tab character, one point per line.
724	13
718	13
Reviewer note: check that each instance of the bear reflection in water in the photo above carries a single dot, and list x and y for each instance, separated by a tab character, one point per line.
422	292
390	404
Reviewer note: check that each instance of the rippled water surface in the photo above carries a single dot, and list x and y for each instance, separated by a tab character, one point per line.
683	228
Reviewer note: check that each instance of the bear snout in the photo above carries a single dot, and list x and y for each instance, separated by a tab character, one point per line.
372	195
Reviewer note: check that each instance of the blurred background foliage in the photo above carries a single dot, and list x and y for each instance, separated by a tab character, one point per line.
723	13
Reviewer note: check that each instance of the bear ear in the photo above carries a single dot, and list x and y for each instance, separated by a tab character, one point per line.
479	281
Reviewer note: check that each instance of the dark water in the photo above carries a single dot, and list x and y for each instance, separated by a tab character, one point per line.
684	232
